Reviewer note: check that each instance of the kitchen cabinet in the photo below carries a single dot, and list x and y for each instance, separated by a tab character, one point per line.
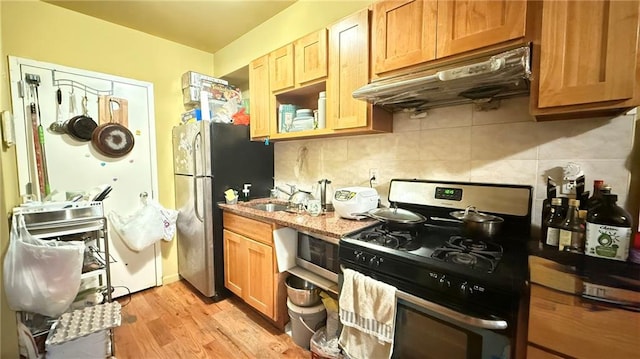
581	328
348	71
403	33
250	266
565	323
310	57
281	68
588	59
412	32
468	25
347	44
261	98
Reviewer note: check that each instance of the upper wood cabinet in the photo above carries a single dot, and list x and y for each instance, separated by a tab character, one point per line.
588	57
260	95
348	71
412	32
403	33
281	68
465	25
310	57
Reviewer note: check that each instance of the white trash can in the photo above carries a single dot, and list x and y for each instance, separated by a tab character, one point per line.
305	321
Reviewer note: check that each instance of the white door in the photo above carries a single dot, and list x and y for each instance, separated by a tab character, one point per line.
75	166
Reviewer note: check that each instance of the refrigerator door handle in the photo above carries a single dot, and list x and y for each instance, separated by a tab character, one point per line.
196	176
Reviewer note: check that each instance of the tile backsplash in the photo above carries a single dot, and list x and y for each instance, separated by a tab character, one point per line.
461	144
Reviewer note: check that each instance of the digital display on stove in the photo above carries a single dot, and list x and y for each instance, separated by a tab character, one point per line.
452	194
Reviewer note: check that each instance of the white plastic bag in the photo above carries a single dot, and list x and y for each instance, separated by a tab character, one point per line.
147	225
41	276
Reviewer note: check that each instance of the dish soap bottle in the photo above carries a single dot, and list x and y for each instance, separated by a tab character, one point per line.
245	192
608	230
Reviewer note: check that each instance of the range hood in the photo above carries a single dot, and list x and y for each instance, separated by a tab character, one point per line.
482	81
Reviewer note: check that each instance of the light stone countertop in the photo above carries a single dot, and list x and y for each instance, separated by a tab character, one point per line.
328	224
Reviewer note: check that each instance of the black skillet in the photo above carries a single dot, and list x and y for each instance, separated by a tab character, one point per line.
81	127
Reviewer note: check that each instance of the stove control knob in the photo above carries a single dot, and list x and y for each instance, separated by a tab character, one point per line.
360	256
444	283
375	261
466	289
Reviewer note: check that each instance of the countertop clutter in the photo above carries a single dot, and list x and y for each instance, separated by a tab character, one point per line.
327	224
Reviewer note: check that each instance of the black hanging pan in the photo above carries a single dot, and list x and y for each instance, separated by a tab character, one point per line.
81	127
113	138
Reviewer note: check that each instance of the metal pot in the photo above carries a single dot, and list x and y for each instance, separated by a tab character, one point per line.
301	292
478	225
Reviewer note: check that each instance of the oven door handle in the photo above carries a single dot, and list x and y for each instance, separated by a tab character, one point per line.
452	314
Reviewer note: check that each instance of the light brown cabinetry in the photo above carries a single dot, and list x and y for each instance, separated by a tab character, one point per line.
335	60
250	266
580	328
310	57
587	59
468	25
412	32
403	33
281	68
348	71
261	98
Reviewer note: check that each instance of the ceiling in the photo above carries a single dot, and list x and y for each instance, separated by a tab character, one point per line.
208	25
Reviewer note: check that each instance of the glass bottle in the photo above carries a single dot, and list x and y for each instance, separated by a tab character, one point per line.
608	230
551	235
596	197
570	229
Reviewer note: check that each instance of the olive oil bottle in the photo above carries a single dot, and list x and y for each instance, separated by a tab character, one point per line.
608	230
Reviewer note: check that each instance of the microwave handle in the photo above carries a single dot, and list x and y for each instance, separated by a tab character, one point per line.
452	314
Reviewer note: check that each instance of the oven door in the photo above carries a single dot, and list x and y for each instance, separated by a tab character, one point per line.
426	330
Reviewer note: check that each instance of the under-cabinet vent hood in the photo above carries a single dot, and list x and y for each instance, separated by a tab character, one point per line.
501	76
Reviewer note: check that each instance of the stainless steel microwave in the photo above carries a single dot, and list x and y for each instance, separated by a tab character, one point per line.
318	254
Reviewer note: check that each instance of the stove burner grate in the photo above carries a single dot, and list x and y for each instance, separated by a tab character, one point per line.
477	254
395	239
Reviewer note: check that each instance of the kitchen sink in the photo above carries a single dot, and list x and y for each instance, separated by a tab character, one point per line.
270	207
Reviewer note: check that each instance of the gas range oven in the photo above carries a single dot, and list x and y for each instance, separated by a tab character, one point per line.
457	296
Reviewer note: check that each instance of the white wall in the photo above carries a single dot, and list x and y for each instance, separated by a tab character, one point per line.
462	144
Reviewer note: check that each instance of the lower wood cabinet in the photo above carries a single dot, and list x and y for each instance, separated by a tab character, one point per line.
568	325
250	266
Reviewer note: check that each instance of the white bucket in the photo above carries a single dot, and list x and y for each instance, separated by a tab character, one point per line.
305	321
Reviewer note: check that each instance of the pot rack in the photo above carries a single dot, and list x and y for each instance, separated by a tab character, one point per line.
79	85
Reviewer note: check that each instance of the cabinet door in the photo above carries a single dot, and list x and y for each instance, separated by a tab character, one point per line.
588	52
348	71
581	328
235	262
281	68
260	284
311	57
537	353
403	33
465	25
260	96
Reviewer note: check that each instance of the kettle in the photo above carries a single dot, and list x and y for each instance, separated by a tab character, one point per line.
324	192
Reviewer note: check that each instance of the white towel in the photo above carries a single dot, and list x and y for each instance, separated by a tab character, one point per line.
368	313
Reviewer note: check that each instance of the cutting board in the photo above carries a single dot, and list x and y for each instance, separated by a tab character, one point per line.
120	110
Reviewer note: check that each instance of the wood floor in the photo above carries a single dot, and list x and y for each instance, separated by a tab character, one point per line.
173	321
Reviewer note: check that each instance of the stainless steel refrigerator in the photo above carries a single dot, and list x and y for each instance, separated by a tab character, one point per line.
208	159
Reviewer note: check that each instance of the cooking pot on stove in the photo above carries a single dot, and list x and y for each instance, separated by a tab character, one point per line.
478	225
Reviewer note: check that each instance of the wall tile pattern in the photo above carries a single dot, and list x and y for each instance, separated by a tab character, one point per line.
462	144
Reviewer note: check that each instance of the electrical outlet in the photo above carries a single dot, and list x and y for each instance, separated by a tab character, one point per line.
374	176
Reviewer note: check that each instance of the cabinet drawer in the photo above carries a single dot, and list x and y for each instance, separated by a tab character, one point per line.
256	230
581	328
536	353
